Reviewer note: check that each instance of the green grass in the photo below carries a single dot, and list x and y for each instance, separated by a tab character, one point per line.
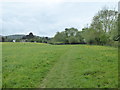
36	65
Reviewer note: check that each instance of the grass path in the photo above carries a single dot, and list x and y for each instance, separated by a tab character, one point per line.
82	67
58	72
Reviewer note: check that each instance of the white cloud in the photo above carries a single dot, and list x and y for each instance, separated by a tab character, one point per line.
44	18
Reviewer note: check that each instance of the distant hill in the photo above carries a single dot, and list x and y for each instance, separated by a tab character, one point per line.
15	36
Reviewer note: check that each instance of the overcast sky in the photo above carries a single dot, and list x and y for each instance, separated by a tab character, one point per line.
46	18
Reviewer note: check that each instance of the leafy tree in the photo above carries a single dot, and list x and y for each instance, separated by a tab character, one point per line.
3	39
73	40
60	37
103	28
30	36
71	31
89	35
79	37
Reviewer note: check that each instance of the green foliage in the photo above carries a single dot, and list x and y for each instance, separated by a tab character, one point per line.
60	37
70	35
103	39
72	39
71	32
103	29
30	36
89	35
79	37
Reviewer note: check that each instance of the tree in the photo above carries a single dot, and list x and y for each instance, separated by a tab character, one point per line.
71	31
67	36
73	40
2	39
89	35
30	36
103	28
105	20
79	37
60	37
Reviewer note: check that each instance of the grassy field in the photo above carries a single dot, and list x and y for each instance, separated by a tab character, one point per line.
37	65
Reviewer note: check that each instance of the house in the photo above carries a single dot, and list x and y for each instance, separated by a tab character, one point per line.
14	40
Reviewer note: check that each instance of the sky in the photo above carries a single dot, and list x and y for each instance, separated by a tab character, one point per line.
46	17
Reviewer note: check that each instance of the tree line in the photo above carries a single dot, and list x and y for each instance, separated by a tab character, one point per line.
103	30
25	38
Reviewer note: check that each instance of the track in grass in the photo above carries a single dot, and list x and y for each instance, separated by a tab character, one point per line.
83	67
59	66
